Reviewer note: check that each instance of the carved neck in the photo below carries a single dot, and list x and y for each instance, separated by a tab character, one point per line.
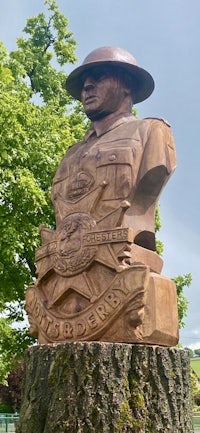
104	124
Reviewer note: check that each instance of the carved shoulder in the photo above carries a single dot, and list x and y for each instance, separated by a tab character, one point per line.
159	148
160	131
72	149
158	120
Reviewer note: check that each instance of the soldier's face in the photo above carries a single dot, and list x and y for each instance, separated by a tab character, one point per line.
102	94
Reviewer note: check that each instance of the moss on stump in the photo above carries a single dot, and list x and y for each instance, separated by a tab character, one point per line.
106	388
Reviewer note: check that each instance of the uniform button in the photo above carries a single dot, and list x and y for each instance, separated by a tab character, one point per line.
112	157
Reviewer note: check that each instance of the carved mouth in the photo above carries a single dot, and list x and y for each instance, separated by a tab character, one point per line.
90	99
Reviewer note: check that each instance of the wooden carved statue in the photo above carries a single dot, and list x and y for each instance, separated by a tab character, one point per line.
98	274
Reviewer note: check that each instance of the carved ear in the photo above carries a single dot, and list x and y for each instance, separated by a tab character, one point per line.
127	90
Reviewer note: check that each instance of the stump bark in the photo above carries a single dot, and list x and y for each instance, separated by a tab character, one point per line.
106	388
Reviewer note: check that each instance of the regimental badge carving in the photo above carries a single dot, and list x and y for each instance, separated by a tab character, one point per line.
80	185
72	256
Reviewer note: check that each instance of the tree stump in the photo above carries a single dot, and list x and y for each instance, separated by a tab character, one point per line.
106	388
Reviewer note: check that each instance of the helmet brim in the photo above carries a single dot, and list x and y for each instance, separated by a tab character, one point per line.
142	81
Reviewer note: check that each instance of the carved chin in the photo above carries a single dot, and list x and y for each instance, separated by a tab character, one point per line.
96	114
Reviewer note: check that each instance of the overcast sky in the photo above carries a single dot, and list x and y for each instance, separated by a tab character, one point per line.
164	36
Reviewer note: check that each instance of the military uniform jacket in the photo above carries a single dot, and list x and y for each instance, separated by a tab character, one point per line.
130	162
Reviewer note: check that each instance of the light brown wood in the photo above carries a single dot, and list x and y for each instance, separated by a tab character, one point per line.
98	275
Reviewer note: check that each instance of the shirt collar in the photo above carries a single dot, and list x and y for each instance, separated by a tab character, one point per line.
100	127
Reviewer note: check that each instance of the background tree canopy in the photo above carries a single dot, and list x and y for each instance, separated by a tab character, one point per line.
39	121
37	125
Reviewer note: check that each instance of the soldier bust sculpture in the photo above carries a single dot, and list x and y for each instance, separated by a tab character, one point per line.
98	273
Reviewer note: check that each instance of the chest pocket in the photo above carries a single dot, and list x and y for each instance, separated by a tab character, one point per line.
115	167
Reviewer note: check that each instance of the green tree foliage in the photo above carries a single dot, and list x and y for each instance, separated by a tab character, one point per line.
181	281
190	351
37	125
10	394
38	122
158	225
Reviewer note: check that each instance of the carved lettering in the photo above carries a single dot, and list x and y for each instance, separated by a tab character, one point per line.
67	330
101	311
106	236
114	235
46	322
81	328
112	300
53	330
92	321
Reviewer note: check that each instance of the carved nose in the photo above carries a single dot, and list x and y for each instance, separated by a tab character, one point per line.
88	84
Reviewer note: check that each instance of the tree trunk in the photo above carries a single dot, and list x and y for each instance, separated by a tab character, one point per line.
106	388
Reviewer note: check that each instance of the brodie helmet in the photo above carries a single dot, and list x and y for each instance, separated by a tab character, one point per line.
141	81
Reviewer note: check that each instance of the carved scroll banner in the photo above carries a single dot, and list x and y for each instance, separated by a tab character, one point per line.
125	295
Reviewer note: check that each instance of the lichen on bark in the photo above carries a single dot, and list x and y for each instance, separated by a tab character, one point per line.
106	388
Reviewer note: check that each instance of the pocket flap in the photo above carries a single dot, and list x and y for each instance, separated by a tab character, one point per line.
114	156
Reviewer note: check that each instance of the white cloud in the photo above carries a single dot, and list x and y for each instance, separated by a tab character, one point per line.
194	346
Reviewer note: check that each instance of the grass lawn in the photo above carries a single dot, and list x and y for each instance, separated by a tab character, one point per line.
196	423
195	364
